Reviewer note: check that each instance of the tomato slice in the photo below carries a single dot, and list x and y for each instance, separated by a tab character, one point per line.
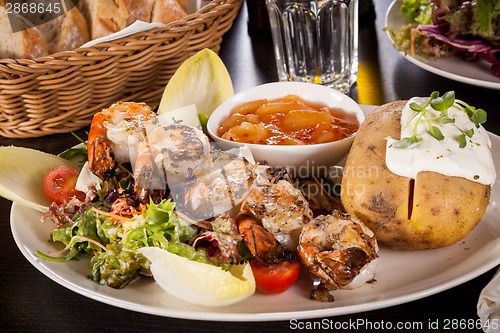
59	185
277	278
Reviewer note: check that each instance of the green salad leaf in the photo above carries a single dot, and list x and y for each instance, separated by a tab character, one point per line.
113	244
417	11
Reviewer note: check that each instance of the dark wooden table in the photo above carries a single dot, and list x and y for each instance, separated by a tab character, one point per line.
30	302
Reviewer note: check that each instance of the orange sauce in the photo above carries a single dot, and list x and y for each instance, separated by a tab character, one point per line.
289	120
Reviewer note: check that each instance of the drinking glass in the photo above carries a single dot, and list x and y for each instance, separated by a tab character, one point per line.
316	41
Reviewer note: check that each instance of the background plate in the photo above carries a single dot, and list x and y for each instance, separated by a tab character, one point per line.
477	73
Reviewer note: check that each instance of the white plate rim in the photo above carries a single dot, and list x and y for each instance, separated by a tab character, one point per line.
487	252
435	65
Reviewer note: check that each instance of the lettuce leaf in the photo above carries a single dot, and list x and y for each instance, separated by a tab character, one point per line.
157	227
417	11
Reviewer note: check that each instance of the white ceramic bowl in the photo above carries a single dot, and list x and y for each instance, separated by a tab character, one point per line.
302	159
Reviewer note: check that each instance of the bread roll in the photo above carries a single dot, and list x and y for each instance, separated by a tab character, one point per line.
27	43
166	11
108	16
133	10
66	32
91	19
103	16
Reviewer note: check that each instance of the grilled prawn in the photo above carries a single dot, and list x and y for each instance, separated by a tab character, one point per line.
160	156
270	217
109	134
338	248
221	188
169	156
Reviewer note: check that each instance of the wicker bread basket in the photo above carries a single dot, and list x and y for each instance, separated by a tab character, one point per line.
61	92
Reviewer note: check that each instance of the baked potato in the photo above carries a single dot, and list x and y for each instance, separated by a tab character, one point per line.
428	212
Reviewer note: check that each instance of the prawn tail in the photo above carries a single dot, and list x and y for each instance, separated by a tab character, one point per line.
262	244
101	158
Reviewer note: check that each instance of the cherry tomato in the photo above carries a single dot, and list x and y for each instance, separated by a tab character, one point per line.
59	185
277	278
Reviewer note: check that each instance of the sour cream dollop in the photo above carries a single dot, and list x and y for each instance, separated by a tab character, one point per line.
473	162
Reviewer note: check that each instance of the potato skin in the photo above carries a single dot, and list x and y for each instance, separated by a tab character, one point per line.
429	212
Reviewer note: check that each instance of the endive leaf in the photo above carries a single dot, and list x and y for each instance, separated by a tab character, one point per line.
202	80
21	175
199	283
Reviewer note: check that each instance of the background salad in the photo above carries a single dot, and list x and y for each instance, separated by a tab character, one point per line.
468	29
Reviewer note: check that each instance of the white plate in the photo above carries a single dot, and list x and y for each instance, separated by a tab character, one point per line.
402	276
476	73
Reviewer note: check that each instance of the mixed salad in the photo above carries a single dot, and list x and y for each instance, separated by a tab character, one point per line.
110	221
86	224
468	29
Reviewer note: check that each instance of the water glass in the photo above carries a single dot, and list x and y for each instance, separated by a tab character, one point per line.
316	41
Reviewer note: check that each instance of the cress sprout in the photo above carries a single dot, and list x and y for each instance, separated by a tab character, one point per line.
441	104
